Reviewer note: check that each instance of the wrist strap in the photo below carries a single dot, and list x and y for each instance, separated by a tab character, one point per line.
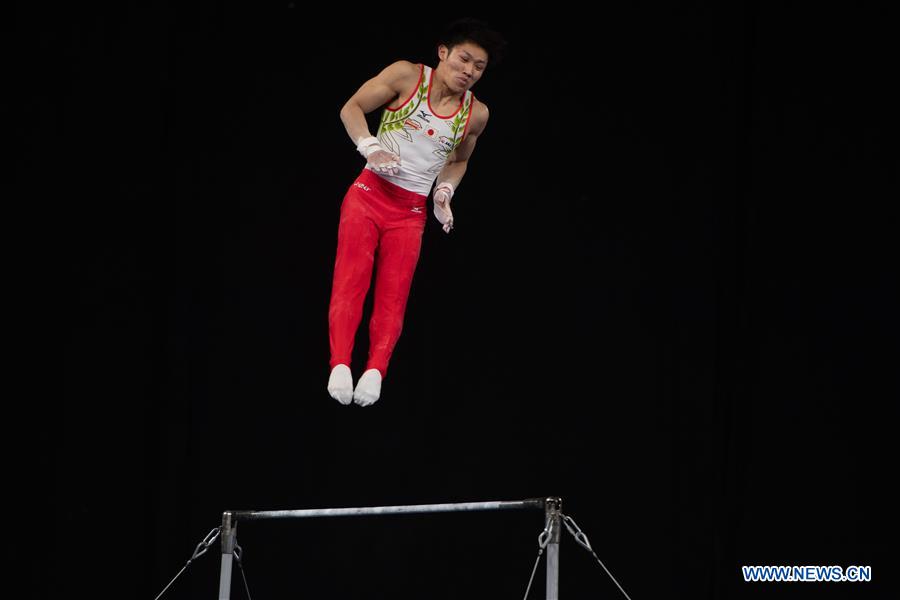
365	143
445	185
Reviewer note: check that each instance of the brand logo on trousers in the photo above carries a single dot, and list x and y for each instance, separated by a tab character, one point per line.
361	186
417	209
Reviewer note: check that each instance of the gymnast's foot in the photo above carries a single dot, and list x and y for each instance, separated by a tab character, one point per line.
368	388
340	384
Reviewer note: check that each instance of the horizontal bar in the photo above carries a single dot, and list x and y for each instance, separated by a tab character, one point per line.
386	510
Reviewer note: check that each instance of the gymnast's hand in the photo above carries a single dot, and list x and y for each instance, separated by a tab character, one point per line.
441	196
379	159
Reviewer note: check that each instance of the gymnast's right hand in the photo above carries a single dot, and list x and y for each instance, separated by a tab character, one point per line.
379	159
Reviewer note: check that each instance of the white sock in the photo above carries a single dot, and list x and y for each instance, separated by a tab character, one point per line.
368	388
340	384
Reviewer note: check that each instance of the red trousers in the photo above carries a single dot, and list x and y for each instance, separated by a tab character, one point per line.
380	222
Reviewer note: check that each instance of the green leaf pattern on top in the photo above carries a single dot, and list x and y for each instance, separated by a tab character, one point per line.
393	122
457	128
399	125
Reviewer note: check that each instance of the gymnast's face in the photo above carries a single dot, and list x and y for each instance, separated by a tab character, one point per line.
463	65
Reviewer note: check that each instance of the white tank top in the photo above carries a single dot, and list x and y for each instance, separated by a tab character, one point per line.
422	138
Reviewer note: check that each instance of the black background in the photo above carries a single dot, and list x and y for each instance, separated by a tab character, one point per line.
670	299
